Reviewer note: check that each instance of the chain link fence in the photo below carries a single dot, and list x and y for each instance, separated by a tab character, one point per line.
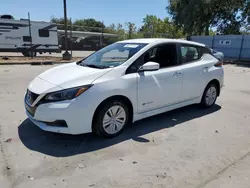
84	38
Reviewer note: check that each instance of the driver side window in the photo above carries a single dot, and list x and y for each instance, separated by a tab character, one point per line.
164	54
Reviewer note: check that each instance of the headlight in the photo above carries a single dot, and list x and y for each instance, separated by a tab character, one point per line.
67	94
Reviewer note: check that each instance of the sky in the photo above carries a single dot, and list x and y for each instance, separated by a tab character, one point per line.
108	11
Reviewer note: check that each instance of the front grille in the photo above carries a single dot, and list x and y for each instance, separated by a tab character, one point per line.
29	100
57	123
30	109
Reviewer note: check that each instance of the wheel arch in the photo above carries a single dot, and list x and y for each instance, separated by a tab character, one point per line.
123	98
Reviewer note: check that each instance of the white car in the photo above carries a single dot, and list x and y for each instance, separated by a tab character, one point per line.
123	83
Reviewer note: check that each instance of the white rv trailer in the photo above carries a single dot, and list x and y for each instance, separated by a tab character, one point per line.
28	38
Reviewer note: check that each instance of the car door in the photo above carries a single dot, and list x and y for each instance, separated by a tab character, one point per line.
193	69
162	87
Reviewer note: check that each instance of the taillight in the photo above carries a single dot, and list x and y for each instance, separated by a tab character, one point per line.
219	64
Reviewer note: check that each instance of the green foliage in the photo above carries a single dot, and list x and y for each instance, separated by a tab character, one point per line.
89	24
152	27
156	27
131	30
197	16
59	21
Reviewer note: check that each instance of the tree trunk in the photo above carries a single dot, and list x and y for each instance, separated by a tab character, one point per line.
207	30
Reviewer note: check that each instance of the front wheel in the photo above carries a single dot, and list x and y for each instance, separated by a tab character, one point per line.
209	96
111	119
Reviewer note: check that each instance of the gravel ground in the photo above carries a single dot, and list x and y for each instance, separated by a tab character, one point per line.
185	148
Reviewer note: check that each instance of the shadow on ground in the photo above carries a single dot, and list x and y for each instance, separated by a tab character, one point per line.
58	145
244	65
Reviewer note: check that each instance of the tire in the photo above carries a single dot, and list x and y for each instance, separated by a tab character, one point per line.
29	54
110	125
32	54
25	54
209	96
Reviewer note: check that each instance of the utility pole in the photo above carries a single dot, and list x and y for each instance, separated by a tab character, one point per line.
30	52
71	37
102	39
66	55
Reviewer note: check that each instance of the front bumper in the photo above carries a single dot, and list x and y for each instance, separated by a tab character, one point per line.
48	128
77	118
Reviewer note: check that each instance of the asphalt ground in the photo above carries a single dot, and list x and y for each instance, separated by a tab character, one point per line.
186	148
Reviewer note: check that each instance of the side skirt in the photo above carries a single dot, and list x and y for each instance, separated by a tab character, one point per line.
138	117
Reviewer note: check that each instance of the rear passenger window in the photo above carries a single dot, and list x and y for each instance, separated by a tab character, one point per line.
189	53
206	50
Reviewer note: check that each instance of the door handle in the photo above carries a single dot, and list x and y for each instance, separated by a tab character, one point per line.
205	69
177	74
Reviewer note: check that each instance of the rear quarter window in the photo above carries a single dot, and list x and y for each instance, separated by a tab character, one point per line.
206	50
190	53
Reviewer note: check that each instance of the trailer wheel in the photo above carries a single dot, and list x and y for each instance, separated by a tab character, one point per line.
25	54
33	53
29	54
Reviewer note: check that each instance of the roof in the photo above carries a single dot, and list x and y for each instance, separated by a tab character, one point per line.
160	40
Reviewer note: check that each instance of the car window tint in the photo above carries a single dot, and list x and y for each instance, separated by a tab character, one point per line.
165	55
189	53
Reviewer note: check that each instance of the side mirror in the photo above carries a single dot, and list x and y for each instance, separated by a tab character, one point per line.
149	66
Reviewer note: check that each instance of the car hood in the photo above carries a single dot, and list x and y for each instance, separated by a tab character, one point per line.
65	76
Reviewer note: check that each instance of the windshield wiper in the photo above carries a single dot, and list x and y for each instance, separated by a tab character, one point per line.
95	66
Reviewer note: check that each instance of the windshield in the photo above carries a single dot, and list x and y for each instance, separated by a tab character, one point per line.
112	55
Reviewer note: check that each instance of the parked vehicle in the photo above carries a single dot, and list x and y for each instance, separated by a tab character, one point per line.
28	37
123	83
218	55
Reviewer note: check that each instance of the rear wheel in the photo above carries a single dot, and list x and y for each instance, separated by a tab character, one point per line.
209	96
111	119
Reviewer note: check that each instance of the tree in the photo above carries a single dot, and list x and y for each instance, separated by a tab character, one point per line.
149	27
197	16
111	29
59	21
120	31
131	30
156	27
89	24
